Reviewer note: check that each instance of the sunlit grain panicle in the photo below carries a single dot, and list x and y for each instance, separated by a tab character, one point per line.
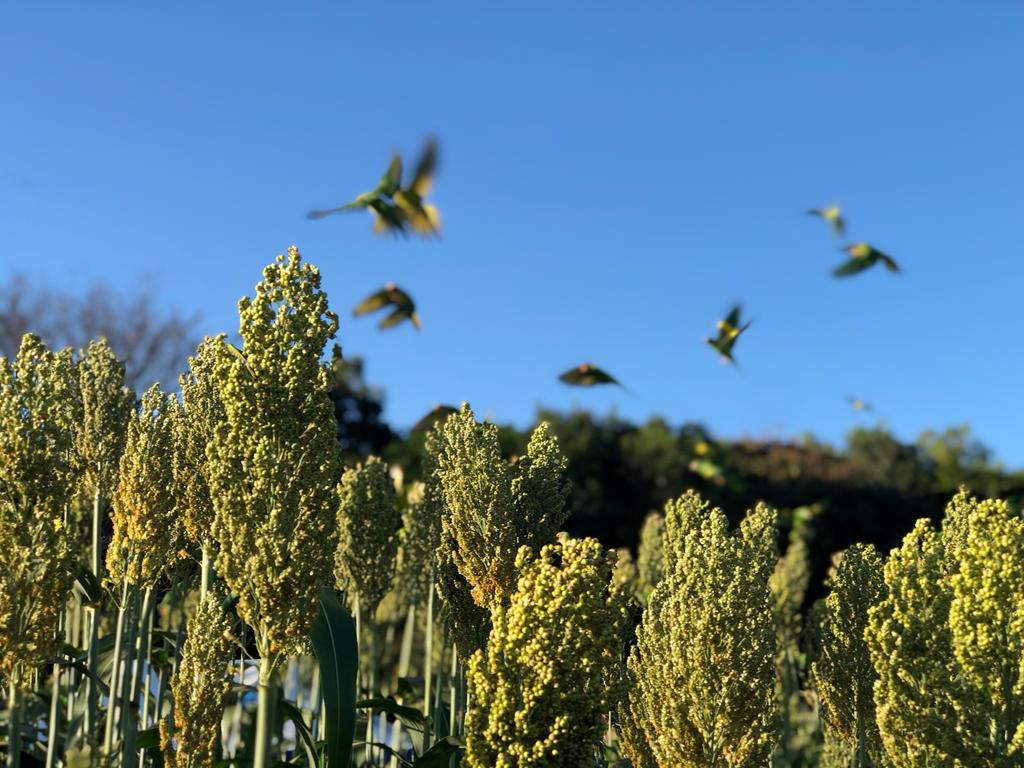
202	411
552	666
368	520
986	620
703	669
466	622
274	460
107	405
490	508
843	674
39	409
910	645
200	687
148	535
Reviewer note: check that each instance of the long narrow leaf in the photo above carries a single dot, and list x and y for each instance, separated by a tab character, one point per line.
334	642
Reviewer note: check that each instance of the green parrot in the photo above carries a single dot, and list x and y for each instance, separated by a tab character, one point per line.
437	415
386	187
390	296
587	375
422	217
832	216
729	331
863	256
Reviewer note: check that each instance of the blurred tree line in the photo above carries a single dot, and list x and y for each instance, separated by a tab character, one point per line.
871	489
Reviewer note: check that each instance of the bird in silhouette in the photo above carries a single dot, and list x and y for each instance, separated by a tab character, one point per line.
390	296
863	256
438	414
587	375
832	216
729	331
376	198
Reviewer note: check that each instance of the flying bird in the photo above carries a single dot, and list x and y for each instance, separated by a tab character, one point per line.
390	296
438	414
395	208
587	375
387	186
729	331
832	216
863	256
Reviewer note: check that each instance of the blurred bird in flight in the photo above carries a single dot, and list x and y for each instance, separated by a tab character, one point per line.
862	257
729	331
396	208
390	296
832	216
587	375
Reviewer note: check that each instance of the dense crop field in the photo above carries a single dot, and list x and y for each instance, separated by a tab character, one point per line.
197	578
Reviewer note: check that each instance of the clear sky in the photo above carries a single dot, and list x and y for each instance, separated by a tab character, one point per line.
614	175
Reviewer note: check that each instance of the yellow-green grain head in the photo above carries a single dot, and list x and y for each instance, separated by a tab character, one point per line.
843	674
202	411
200	687
107	405
274	462
703	669
39	410
148	534
552	667
368	520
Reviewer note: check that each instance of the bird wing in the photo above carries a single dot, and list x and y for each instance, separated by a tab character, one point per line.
392	178
852	266
733	318
888	261
423	177
373	302
390	321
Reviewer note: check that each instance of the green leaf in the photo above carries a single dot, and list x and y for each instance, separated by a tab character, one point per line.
89	588
439	755
334	643
289	711
410	716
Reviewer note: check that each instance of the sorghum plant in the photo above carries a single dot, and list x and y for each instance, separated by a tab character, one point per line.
843	674
200	687
39	408
201	412
703	669
148	533
368	520
553	662
274	466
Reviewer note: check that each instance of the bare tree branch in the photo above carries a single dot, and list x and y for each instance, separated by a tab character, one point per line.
153	344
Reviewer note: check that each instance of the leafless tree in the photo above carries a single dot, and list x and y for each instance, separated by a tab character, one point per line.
152	342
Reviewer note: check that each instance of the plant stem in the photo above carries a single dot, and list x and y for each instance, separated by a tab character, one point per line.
14	723
51	727
428	665
265	713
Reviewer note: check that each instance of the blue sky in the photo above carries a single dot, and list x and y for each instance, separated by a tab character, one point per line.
613	177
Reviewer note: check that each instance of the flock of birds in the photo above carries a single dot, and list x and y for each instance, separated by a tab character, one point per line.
398	209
